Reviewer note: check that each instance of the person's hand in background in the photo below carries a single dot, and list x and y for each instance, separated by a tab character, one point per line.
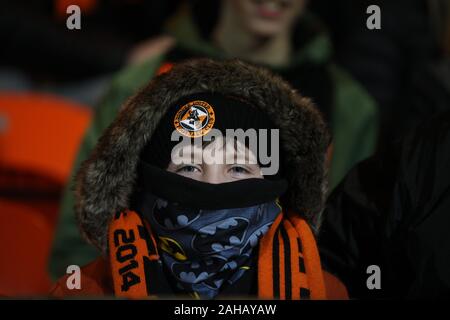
150	48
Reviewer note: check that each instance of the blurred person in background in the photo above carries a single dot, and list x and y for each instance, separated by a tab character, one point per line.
40	53
278	34
385	229
402	64
392	210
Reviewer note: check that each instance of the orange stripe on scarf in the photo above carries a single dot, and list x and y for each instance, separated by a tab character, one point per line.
281	269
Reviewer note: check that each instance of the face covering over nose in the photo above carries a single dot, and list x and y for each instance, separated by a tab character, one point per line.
205	250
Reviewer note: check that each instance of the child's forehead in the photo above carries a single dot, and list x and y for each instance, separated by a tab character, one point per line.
230	148
218	144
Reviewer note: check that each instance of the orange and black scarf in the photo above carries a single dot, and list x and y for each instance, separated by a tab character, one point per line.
288	261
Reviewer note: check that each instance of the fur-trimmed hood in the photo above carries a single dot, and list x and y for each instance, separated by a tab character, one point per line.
105	181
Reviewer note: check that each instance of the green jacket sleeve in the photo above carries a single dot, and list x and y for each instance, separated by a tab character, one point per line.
354	125
68	246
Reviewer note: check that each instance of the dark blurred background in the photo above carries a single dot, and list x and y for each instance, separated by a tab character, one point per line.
52	79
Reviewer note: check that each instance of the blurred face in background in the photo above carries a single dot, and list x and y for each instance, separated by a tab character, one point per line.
267	18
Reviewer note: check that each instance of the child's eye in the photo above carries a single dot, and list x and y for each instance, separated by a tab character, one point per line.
188	169
239	170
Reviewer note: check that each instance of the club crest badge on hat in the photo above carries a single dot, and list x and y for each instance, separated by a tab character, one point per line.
194	119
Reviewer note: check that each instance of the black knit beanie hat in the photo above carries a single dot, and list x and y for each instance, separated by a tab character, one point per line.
195	116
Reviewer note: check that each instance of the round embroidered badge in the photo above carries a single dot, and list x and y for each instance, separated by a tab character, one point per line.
194	119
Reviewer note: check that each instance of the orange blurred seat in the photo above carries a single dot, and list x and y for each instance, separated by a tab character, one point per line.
40	133
39	139
25	236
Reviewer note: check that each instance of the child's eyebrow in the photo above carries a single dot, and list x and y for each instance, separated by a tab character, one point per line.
231	149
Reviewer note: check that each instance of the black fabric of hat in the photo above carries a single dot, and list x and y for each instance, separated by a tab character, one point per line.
222	112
